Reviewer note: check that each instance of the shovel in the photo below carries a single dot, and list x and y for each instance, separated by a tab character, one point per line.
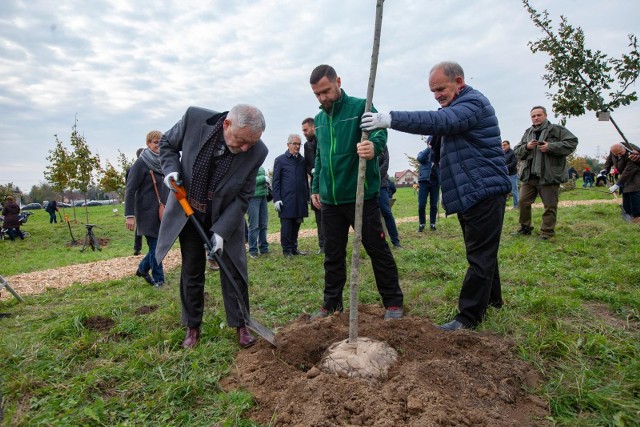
267	334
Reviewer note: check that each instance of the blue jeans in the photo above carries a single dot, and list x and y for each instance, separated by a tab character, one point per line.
258	219
514	189
390	221
588	180
431	191
149	261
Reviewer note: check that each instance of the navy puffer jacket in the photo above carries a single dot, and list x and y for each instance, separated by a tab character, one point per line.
472	165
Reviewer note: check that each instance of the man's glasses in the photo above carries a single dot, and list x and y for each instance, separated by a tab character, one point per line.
295	143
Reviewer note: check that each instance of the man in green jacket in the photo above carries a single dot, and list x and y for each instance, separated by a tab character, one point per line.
334	187
542	154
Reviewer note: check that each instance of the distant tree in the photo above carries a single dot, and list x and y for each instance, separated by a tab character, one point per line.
413	162
112	179
583	78
42	192
73	169
59	170
9	189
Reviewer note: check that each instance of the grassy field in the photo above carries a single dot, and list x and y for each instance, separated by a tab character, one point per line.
572	306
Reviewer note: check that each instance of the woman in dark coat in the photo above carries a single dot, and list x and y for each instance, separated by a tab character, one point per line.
143	197
10	211
52	208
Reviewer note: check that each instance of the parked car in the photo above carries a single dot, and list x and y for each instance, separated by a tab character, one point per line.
63	205
94	203
32	206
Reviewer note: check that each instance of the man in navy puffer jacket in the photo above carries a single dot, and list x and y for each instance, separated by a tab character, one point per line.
474	179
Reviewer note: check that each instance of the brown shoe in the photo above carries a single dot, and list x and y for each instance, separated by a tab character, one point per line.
245	338
192	338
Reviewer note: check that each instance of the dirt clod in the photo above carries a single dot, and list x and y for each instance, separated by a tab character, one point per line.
98	323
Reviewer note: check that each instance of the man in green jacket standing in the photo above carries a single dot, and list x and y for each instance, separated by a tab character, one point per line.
542	152
334	189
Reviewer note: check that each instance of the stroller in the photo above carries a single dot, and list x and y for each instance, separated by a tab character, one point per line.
602	178
23	217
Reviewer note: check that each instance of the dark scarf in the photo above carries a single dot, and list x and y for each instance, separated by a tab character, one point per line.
539	134
211	164
152	160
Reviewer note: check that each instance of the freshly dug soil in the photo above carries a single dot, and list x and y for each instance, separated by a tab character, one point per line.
441	378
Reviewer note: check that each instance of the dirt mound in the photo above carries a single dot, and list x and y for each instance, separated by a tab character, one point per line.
98	323
440	378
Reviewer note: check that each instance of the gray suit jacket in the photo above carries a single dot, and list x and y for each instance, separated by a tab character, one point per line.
232	195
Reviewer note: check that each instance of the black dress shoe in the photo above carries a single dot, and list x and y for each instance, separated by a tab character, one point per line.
454	325
297	252
136	252
523	231
192	338
245	338
146	277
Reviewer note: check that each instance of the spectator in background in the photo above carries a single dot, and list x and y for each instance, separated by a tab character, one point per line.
573	173
137	240
143	195
629	181
544	148
51	209
512	170
383	199
258	216
10	211
428	184
290	195
587	178
309	132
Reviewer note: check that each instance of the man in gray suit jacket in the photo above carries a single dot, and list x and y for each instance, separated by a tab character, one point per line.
221	154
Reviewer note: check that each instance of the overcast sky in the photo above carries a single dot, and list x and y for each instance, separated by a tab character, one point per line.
128	67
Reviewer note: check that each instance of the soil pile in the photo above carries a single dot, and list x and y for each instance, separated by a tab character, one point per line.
440	378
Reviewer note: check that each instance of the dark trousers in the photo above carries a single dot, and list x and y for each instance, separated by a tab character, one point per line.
52	217
289	228
318	214
631	203
336	220
427	190
389	220
549	194
192	279
137	241
481	228
13	232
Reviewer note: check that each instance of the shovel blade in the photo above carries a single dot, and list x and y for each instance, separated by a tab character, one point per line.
261	330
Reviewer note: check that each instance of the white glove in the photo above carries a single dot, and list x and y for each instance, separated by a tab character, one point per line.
267	180
614	188
277	205
173	176
371	121
216	245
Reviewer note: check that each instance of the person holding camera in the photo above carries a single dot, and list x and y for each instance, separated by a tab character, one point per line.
543	151
628	183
